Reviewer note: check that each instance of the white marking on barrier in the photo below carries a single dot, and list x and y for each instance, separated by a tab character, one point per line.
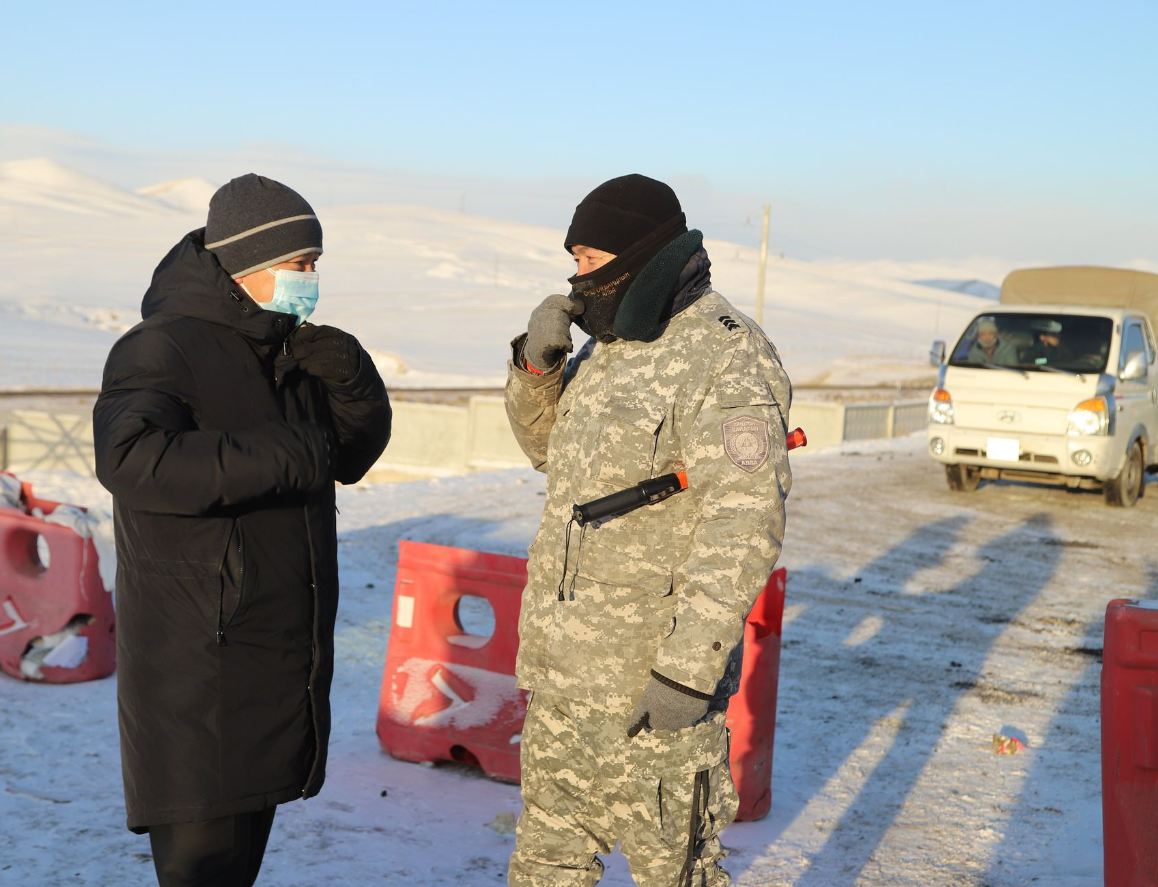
69	653
18	623
517	739
405	611
414	685
439	681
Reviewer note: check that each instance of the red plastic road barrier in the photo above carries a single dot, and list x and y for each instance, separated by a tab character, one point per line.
51	589
448	695
752	711
1130	744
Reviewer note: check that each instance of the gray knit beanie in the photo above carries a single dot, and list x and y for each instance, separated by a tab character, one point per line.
255	222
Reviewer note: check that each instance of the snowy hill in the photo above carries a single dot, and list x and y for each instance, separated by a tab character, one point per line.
434	295
41	184
973	287
187	195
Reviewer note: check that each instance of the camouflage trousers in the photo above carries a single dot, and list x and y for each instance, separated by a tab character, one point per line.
664	796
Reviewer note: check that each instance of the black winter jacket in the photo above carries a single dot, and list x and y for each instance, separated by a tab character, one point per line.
221	455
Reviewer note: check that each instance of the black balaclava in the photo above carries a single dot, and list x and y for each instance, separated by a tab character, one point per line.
633	217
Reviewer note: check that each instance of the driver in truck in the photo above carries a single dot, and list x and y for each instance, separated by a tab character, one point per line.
988	347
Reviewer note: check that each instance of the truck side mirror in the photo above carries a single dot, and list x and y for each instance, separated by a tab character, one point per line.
1135	367
937	352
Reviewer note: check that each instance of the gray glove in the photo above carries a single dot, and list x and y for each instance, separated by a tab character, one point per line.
666	705
549	331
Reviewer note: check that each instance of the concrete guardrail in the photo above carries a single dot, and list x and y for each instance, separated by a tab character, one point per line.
431	438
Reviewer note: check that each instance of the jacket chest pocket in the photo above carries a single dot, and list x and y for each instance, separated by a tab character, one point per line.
620	442
607	447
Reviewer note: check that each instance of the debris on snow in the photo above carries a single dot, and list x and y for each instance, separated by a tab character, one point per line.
503	823
1006	745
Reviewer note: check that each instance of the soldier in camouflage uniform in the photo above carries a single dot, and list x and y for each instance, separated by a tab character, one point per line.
630	632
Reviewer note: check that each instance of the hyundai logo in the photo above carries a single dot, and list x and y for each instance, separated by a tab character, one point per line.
1010	416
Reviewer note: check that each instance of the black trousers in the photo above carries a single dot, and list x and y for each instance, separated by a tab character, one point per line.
225	852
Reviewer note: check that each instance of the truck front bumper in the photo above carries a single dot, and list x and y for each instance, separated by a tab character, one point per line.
1048	458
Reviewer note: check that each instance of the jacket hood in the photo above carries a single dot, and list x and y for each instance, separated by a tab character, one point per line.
190	282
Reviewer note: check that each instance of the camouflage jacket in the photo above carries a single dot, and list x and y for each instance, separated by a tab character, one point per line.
669	585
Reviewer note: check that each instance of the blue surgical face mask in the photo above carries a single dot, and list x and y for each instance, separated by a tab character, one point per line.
294	292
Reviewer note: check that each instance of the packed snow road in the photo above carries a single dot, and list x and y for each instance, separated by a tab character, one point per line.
920	622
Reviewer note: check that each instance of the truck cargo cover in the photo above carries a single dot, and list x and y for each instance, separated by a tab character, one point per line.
1084	285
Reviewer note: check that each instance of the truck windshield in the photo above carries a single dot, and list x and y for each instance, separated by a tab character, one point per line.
1068	342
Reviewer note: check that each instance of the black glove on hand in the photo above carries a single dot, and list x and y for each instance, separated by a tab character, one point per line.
666	705
326	352
549	331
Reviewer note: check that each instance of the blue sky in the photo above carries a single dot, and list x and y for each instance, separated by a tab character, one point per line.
975	119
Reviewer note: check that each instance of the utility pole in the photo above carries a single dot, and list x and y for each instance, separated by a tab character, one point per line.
763	266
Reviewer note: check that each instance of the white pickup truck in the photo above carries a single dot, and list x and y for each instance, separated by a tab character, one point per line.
1056	384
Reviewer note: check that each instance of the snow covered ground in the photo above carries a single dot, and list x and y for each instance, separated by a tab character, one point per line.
920	622
434	295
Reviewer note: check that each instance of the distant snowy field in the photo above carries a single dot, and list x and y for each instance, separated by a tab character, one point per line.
946	618
434	295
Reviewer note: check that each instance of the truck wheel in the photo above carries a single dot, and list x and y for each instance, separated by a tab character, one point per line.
1125	489
963	478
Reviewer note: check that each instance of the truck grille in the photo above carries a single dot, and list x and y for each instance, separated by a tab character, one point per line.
1038	458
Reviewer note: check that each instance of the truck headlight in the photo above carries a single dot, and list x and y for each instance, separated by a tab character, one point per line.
1090	417
940	407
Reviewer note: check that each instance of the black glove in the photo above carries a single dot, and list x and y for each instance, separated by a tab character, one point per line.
326	352
667	705
549	331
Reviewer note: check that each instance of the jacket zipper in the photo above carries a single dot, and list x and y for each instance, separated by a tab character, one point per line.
221	625
313	643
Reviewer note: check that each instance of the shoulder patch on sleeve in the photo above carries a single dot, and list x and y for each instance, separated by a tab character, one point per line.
747	441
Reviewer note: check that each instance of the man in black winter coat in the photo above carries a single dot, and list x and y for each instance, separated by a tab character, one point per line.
222	424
